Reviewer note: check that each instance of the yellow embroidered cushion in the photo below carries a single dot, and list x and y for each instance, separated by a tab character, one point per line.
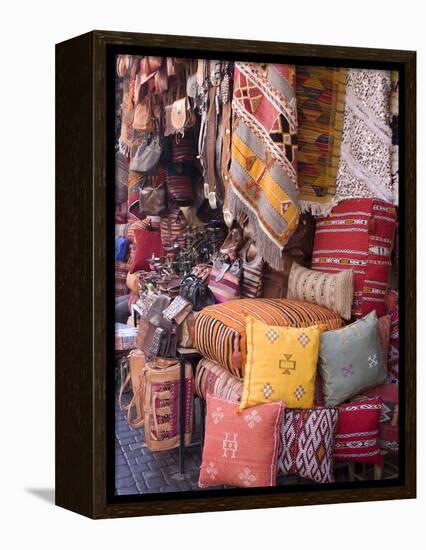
281	365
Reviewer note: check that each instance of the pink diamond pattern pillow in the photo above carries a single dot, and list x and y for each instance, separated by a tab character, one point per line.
240	449
307	437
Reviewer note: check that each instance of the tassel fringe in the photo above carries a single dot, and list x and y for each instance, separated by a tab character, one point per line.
268	249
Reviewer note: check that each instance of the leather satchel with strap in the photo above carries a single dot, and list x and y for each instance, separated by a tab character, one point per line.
157	395
136	361
182	115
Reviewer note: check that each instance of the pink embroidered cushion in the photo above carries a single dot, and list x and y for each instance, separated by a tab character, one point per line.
307	437
240	449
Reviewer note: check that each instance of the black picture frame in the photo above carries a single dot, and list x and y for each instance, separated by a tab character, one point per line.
84	273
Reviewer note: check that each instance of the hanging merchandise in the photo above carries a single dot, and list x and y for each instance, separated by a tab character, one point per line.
365	169
263	177
255	220
224	280
153	194
320	93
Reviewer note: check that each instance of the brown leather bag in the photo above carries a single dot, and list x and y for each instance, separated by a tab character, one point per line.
182	115
274	282
144	117
158	396
153	198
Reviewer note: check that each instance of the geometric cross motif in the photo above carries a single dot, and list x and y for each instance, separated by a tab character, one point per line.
229	445
304	339
211	470
286	364
372	361
281	135
267	390
347	370
247	477
299	392
272	335
252	419
217	415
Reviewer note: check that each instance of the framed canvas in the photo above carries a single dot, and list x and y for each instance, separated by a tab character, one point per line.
235	274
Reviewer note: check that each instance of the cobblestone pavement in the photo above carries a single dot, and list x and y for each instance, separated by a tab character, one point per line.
138	470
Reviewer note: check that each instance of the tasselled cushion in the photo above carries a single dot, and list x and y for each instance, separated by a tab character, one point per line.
240	450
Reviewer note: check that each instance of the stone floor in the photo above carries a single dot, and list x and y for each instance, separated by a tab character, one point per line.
140	471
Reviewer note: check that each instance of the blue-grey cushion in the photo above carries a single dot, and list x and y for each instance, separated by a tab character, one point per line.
351	360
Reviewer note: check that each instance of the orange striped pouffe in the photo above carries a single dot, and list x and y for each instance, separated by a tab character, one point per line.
220	330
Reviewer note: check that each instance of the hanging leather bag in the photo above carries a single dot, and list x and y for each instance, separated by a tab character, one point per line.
153	196
148	154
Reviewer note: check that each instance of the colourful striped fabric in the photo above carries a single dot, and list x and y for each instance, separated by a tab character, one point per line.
358	235
263	172
251	281
173	230
212	378
224	286
320	94
220	330
183	147
121	269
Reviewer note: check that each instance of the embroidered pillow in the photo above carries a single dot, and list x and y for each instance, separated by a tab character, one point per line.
357	432
281	365
333	291
388	423
358	235
240	449
307	438
351	359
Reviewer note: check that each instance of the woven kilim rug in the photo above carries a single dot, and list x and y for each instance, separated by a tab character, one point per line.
365	167
262	177
320	93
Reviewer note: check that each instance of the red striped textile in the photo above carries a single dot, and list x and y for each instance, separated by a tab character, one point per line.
358	235
121	269
173	229
183	148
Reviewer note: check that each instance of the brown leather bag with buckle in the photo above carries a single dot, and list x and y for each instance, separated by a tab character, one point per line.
152	198
182	115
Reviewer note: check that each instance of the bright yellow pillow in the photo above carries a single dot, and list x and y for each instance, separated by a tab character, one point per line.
281	365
